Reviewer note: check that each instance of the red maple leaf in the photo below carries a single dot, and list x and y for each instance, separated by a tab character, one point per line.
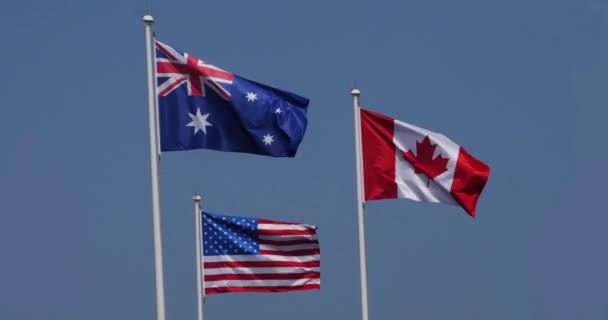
423	161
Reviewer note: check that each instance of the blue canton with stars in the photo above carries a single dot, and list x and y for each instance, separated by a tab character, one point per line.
250	117
229	235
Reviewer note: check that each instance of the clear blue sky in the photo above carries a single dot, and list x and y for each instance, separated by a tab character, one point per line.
523	85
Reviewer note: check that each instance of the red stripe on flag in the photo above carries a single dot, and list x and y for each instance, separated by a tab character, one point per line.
162	49
470	176
221	91
168	67
378	151
263	276
208	71
295	253
270	232
287	243
173	85
262	289
264	221
261	264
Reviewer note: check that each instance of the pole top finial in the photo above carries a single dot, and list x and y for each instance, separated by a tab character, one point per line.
148	19
355	92
196	197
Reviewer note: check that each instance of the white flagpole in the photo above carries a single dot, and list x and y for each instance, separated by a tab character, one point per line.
360	205
158	250
199	265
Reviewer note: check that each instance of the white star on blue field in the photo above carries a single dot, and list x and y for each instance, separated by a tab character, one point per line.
199	121
251	97
268	139
232	236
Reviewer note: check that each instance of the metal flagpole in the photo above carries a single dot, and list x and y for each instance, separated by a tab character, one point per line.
199	265
158	250
360	205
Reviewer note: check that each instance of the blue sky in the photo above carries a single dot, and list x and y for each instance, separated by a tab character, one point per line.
521	84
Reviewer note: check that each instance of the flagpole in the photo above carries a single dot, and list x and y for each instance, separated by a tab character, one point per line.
199	267
158	250
360	205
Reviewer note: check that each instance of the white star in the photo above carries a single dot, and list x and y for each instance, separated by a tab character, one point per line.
251	96
199	121
278	110
268	139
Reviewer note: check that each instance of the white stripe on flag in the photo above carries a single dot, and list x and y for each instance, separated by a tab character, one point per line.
289	248
265	226
260	283
250	270
262	258
288	238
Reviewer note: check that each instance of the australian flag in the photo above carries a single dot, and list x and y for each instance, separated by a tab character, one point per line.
204	107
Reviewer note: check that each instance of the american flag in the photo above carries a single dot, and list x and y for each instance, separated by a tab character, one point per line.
259	255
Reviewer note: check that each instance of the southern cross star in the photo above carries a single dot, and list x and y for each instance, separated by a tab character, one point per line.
199	121
278	110
251	96
268	139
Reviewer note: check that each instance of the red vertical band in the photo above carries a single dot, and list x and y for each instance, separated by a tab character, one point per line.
470	177
378	156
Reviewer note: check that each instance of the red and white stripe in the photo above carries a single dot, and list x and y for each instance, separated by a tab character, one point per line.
388	174
185	68
289	260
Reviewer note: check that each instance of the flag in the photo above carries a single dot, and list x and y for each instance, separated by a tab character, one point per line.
259	255
204	107
404	161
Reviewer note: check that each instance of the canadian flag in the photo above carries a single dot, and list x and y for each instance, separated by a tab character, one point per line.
404	161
